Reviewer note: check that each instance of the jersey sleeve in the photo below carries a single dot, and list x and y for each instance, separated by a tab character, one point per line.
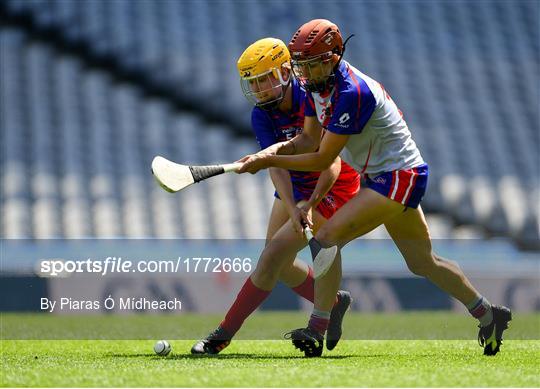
263	128
309	105
352	111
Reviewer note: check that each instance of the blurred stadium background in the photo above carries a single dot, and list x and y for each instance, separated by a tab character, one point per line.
91	90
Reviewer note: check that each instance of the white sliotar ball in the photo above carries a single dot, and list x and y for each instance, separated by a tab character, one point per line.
162	347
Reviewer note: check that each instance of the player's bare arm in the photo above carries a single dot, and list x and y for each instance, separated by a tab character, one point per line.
310	138
305	142
281	178
326	180
329	150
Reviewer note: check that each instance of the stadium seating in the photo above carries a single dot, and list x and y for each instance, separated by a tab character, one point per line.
77	141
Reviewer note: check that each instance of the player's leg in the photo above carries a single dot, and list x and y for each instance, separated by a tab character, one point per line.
298	275
410	233
279	252
279	255
363	213
278	217
295	274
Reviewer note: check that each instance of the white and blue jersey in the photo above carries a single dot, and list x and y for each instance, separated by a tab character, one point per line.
380	142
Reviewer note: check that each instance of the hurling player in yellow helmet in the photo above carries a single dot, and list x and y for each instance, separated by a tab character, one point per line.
277	117
264	69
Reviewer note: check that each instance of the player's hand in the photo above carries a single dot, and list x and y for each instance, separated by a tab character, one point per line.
307	215
297	216
253	163
271	150
243	159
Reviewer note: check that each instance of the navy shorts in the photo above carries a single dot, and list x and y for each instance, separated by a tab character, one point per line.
407	187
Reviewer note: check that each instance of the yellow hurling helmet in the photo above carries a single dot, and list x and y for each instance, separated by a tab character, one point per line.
260	69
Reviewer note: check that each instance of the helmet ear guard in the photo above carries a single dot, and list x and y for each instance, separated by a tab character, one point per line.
278	74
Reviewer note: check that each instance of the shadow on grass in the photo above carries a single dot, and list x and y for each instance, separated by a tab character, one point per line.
238	356
230	356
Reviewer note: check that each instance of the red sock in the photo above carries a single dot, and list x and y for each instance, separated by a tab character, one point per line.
307	288
247	300
319	322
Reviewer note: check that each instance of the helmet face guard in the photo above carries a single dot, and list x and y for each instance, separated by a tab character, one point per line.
265	90
315	74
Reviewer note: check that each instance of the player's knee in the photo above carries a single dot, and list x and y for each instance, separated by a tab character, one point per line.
438	260
419	269
285	274
326	237
266	270
263	278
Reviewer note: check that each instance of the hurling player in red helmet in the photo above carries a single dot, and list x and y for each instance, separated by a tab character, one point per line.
364	125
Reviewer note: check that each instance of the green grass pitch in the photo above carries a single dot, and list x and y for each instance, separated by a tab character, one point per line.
357	361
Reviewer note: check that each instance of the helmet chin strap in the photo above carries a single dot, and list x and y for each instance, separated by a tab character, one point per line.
271	106
323	86
343	51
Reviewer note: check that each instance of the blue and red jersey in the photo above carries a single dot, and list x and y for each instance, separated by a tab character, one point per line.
275	126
